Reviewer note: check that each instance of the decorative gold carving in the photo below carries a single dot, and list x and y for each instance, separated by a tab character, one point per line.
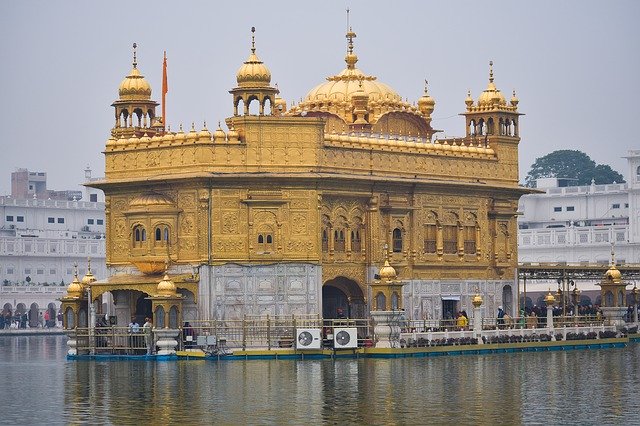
230	223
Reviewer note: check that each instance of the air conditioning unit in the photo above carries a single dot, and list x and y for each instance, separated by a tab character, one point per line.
345	338
308	338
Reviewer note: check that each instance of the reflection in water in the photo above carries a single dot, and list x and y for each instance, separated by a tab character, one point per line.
595	386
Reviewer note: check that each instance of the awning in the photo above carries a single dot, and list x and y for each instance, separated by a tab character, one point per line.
450	297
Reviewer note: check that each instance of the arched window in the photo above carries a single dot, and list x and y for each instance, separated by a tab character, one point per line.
139	236
70	319
173	317
338	240
325	241
638	172
166	234
355	240
608	297
620	298
159	317
430	238
470	245
381	302
397	240
450	239
158	234
265	242
395	301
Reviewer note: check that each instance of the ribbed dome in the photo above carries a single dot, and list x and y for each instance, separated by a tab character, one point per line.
491	95
253	73
613	275
134	86
387	272
75	289
337	93
151	199
166	287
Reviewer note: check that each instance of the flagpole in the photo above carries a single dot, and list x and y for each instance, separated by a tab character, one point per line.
164	92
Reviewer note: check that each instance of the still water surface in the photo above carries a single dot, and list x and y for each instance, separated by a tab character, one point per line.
576	387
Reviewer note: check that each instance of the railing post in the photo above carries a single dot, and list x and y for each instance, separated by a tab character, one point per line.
268	332
244	332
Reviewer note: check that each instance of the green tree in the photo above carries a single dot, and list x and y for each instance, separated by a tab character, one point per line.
571	164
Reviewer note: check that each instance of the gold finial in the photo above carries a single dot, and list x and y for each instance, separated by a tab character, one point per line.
253	39
205	124
180	128
490	71
219	125
193	126
89	265
613	256
75	270
348	19
135	61
426	86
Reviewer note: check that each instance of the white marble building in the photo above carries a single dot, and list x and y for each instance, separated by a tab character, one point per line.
578	224
40	240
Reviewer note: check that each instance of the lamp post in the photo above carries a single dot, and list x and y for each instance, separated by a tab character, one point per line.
550	300
636	293
576	300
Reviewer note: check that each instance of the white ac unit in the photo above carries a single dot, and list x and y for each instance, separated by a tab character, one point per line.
345	338
308	338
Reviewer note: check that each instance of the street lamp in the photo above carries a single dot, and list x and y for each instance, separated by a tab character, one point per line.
576	300
635	292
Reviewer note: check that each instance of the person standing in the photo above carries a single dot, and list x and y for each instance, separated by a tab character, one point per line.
500	317
134	329
148	335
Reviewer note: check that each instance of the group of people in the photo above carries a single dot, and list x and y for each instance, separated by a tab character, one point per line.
25	319
141	337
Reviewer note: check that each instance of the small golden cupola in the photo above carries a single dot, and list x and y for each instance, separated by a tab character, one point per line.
612	288
166	287
254	79
135	111
491	115
75	288
491	96
426	104
88	278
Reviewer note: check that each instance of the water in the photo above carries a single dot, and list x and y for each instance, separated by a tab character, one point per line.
575	387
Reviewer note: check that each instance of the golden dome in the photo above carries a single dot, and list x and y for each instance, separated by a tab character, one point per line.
233	134
151	199
134	86
514	99
75	289
469	99
426	103
253	73
491	95
219	135
549	299
88	277
166	287
613	275
204	133
337	93
387	272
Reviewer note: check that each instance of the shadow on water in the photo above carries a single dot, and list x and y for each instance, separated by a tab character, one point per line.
591	386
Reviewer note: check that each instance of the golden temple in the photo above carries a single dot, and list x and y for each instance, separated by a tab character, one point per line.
287	211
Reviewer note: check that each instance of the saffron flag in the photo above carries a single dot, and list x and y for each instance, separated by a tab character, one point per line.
165	89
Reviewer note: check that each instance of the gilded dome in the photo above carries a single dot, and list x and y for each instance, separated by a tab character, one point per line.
253	72
387	272
88	277
134	86
613	275
75	289
491	95
426	103
166	287
337	93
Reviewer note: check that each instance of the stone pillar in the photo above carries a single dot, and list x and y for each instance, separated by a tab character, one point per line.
477	318
387	328
550	300
166	340
72	342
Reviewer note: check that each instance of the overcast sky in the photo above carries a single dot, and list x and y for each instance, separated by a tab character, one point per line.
574	64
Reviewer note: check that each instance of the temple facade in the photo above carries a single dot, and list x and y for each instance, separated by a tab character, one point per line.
292	209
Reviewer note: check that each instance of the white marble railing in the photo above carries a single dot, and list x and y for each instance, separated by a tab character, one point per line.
588	189
594	235
62	204
12	246
32	289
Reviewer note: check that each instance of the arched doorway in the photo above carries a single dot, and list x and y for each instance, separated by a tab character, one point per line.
507	300
342	294
143	308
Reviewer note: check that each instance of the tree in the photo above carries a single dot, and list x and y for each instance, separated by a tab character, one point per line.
571	164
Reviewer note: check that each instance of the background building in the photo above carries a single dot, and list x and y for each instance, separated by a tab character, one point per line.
579	224
290	210
41	239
